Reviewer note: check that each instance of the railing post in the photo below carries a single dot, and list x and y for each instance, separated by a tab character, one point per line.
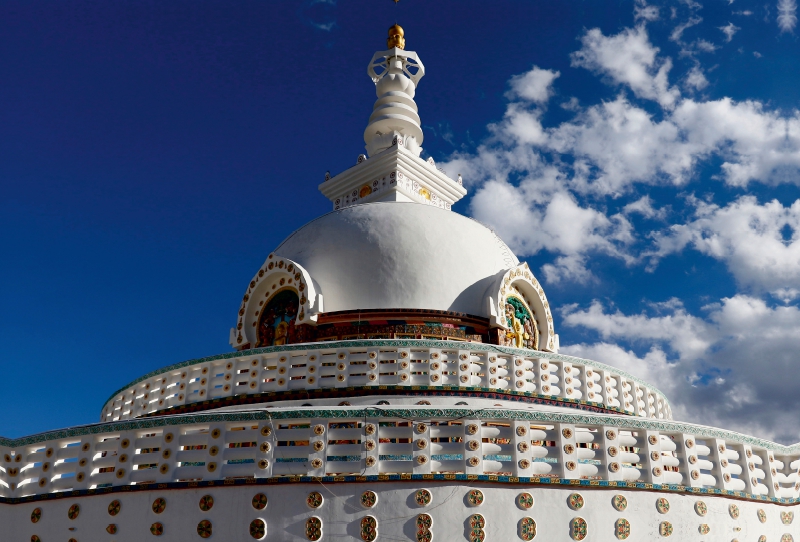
267	444
652	457
567	451
473	446
317	447
610	453
421	446
522	448
370	438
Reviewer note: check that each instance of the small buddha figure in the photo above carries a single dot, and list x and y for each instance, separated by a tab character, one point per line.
281	333
396	37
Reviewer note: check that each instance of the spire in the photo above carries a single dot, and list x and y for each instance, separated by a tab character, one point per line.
394	170
396	73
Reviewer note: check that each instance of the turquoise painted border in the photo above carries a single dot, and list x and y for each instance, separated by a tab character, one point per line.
405	343
623	422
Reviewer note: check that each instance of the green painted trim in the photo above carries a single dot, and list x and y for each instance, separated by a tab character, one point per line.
622	422
404	343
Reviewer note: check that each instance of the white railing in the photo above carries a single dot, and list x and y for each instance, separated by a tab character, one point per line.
378	363
416	440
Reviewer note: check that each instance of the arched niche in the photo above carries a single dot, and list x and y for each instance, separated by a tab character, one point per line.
519	289
277	275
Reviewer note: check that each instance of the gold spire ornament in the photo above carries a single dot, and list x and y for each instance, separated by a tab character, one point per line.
396	38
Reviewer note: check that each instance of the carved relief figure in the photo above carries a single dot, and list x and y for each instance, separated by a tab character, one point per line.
276	325
522	331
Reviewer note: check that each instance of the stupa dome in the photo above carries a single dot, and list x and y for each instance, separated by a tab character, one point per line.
399	255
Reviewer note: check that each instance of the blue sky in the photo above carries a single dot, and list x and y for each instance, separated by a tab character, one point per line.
643	158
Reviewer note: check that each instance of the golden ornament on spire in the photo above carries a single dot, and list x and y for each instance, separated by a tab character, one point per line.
396	38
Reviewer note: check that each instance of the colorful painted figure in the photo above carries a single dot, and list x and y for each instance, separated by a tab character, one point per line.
525	500
622	528
276	325
578	529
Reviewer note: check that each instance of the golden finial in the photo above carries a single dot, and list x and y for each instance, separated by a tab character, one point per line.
396	38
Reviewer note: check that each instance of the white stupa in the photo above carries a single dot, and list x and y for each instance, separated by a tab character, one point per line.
396	376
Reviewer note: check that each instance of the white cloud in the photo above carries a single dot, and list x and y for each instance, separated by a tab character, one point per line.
787	15
695	79
749	238
723	370
628	58
534	86
729	30
644	12
705	46
644	207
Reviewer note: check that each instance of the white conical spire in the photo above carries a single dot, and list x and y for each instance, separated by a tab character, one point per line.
396	73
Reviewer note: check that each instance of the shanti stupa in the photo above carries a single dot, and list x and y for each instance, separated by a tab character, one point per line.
396	376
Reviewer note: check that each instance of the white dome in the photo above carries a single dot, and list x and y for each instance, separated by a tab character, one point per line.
399	255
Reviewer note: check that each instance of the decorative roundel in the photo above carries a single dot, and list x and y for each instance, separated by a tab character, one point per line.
787	538
156	529
36	515
206	503
204	529
622	528
114	507
424	523
787	517
368	499
314	499
665	528
527	528
73	511
619	502
35	538
525	500
477	535
475	497
423	497
369	529
258	529
259	501
72	540
112	528
762	538
159	505
762	516
662	505
578	529
477	521
701	508
733	510
575	501
704	528
313	528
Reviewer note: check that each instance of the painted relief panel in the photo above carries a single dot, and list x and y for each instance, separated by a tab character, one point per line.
276	324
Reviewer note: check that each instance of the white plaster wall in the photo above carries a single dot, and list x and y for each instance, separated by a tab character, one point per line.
396	510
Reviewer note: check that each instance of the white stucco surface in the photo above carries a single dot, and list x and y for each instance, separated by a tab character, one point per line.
399	255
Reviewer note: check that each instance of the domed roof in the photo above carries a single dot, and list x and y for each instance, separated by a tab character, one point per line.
390	255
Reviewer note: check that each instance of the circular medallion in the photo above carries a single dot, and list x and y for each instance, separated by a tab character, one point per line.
527	529
475	497
665	528
422	497
35	538
704	528
368	499
622	528
733	510
575	501
159	505
477	535
114	507
156	529
112	528
787	538
619	502
525	500
762	538
204	529
787	517
701	508
424	523
314	499
662	505
259	501
477	521
206	503
36	515
314	528
762	516
578	529
73	511
258	529
369	529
